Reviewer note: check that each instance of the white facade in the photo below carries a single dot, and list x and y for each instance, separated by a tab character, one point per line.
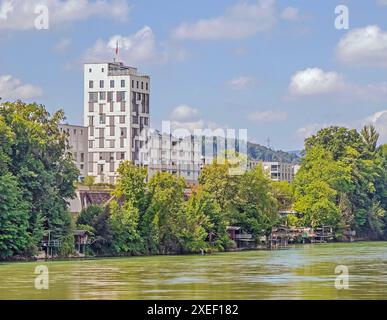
178	156
77	140
116	110
277	171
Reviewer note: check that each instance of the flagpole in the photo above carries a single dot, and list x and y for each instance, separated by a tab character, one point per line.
117	50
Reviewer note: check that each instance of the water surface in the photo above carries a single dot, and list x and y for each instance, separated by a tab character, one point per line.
301	272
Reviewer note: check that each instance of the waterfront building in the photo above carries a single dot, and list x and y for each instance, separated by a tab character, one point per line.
276	171
77	145
116	110
180	156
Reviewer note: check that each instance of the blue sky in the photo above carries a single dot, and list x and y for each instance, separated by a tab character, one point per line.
278	68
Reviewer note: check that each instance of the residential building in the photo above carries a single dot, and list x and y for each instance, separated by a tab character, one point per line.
166	153
77	140
116	110
277	171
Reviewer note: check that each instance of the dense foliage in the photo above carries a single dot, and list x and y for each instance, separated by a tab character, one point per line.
161	216
36	179
342	182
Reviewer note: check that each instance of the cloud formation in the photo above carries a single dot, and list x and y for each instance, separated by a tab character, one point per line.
138	47
239	21
315	81
12	89
379	120
242	82
21	14
186	117
367	46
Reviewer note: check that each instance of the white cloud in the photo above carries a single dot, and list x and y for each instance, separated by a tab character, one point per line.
382	2
366	46
314	81
12	89
189	118
290	14
239	21
379	120
138	47
186	117
6	7
242	82
185	113
21	13
270	116
62	45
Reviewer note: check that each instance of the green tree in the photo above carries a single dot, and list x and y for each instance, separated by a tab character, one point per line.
36	156
14	235
370	137
123	223
217	181
88	215
255	208
317	187
201	224
131	184
353	179
336	140
164	196
89	181
284	193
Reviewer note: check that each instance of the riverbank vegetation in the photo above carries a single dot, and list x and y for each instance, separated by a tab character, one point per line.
342	183
36	176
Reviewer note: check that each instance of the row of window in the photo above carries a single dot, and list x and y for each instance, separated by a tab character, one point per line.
135	84
100	143
144	121
120	97
74	131
108	96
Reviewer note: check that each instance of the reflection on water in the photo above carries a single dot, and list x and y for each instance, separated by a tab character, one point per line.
302	272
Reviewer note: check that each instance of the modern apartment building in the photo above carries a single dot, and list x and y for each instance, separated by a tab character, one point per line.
178	156
116	110
277	171
78	142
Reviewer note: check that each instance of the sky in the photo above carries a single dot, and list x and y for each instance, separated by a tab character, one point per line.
280	69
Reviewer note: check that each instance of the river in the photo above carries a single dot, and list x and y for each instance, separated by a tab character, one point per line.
300	272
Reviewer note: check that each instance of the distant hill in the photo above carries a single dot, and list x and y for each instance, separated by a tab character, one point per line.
258	152
254	151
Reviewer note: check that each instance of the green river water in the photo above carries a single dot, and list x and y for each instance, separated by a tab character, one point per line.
301	272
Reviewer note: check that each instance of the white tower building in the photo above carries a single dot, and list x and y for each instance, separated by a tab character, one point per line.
116	110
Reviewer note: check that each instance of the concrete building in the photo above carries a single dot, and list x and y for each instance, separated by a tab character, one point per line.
277	171
78	142
178	156
116	110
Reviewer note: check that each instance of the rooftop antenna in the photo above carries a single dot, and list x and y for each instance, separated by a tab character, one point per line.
268	142
266	157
